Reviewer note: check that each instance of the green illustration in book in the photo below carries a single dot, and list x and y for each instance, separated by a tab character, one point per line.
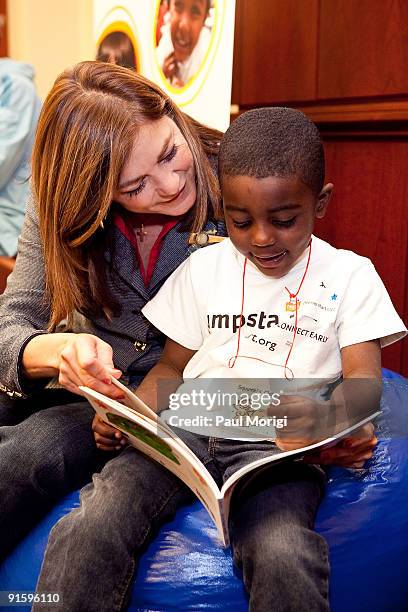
143	435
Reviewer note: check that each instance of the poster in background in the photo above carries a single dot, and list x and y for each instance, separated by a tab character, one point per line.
185	46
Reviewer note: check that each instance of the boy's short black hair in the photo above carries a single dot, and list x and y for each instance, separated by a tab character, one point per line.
273	141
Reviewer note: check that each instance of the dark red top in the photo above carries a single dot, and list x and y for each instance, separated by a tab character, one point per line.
126	225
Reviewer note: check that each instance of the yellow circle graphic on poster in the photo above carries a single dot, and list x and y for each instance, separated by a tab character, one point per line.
187	34
116	42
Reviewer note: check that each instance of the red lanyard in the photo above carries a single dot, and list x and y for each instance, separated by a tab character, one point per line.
232	360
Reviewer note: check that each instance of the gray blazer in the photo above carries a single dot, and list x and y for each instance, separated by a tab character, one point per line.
24	309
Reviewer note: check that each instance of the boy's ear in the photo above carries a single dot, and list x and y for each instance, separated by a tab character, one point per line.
323	200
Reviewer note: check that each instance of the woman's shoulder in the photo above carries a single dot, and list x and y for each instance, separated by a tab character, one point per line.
215	227
209	255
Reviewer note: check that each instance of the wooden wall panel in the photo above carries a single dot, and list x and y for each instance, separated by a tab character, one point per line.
275	51
237	59
369	214
363	48
3	28
344	63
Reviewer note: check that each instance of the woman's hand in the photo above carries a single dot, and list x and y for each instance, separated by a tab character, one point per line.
351	452
87	360
107	438
76	359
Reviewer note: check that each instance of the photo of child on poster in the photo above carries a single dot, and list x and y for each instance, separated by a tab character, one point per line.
185	46
183	35
117	48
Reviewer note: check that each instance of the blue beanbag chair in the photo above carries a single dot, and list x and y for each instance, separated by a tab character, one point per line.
364	518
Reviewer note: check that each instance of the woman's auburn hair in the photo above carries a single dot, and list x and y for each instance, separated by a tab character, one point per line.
85	134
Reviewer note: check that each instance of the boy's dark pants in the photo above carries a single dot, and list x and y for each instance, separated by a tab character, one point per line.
93	552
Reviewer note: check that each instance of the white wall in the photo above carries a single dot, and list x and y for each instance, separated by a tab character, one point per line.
51	35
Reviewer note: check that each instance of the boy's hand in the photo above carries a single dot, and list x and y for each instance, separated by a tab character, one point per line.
307	421
350	452
107	438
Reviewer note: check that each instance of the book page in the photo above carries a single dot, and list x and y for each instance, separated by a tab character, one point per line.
292	453
152	439
134	402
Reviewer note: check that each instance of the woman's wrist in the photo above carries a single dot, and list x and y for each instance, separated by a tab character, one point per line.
41	356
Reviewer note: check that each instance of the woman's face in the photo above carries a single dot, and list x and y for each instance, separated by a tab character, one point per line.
159	175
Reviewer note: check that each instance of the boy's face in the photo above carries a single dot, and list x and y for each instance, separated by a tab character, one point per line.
187	19
270	220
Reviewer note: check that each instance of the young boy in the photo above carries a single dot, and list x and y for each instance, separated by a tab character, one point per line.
269	301
184	41
273	301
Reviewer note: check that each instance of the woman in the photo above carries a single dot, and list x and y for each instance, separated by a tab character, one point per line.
108	224
120	178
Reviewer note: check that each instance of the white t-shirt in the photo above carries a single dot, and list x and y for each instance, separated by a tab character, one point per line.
342	302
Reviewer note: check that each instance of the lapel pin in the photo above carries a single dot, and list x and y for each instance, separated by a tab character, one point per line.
204	238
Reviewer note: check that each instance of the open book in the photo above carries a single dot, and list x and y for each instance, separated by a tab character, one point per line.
152	436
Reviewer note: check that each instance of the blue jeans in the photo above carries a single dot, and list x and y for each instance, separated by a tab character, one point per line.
93	552
46	450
